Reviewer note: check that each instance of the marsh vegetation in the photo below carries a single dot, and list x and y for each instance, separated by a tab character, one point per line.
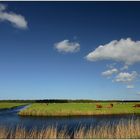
131	129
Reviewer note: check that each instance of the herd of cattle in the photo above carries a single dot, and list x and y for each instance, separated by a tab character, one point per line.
100	106
111	106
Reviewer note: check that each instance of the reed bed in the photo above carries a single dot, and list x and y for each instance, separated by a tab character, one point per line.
125	130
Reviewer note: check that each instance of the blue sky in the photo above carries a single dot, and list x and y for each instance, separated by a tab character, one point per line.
53	50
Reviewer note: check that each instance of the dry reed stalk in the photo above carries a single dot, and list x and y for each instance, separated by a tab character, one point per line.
33	134
63	134
19	133
50	132
79	133
3	134
41	134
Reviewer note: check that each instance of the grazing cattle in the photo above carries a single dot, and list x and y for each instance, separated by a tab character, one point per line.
110	106
98	106
136	105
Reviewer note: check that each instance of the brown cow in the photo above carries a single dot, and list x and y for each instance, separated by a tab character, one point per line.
110	106
136	105
99	106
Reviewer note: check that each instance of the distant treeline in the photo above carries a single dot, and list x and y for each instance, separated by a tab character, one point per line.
18	101
79	101
66	101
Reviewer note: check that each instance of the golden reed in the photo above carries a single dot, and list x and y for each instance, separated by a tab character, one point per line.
129	129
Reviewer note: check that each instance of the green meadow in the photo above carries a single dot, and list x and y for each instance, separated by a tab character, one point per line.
77	109
7	105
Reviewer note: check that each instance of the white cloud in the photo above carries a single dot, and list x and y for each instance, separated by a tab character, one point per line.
67	46
124	50
110	72
130	86
126	77
16	20
125	67
111	66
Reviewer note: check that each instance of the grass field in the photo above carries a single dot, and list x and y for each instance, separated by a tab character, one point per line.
128	130
71	109
10	105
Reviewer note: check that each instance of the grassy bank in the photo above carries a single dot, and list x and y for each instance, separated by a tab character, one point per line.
71	109
4	105
128	130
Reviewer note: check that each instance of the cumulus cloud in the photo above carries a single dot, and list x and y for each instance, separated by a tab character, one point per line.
109	72
126	77
67	46
16	20
124	50
130	86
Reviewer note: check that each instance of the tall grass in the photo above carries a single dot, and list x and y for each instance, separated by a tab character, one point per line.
130	129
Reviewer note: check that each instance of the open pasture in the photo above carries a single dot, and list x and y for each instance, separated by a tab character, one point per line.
79	109
7	105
